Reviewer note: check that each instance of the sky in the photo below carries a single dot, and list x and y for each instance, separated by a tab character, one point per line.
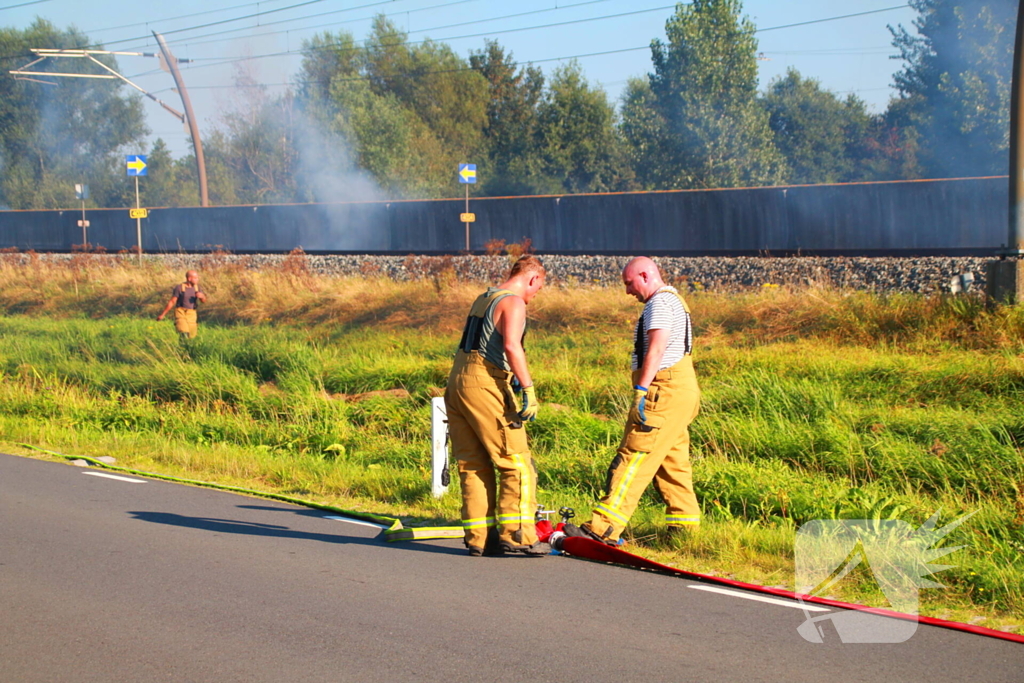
609	38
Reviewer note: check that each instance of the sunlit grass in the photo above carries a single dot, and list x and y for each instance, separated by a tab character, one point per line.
817	404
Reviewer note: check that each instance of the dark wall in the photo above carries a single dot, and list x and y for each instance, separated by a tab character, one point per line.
966	214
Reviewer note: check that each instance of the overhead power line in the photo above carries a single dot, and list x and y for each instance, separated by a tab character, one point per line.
439	40
24	4
218	61
192	40
553	25
845	16
243	18
519	63
180	16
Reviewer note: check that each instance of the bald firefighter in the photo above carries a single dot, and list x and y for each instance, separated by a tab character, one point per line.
666	399
497	475
184	298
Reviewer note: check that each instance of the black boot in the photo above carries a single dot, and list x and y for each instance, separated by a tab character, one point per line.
584	531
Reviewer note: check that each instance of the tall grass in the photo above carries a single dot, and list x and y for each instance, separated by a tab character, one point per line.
817	403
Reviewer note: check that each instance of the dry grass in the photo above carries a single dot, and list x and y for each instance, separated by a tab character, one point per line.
100	285
817	402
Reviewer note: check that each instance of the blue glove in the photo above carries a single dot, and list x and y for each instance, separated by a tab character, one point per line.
636	412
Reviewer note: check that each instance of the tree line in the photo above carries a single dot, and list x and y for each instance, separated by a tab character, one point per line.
386	118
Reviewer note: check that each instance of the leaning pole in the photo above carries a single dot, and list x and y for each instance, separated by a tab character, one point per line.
193	126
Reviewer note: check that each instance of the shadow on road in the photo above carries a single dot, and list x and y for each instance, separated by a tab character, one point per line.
312	512
234	526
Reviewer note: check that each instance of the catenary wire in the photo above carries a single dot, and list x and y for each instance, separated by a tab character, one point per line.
180	16
193	40
24	4
557	24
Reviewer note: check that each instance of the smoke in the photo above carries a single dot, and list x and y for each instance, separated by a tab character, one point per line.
281	154
326	168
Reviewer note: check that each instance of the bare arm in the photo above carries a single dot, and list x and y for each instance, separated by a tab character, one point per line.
510	320
167	309
657	342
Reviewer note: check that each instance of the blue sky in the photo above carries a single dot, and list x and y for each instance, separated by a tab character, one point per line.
846	55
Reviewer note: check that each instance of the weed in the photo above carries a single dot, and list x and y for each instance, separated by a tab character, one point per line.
817	403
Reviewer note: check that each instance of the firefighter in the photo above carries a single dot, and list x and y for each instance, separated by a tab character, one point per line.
666	399
184	298
496	472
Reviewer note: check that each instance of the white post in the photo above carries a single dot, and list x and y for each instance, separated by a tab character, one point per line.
439	439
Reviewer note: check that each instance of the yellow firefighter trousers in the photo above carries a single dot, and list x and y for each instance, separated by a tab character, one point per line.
487	435
659	451
185	321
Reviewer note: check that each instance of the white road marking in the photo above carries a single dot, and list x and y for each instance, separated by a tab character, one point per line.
114	476
357	521
761	598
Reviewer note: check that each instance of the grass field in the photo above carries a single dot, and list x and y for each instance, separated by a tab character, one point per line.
817	404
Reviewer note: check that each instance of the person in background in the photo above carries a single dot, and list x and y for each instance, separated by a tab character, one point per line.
184	298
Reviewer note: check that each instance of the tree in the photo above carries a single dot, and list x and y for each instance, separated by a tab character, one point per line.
888	151
409	112
513	160
645	132
579	145
702	104
53	136
821	136
436	85
166	182
955	84
382	136
390	142
325	58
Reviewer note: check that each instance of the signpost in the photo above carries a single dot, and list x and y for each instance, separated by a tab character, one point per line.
82	192
135	164
467	176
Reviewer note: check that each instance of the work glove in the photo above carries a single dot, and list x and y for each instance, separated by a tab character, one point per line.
636	411
530	404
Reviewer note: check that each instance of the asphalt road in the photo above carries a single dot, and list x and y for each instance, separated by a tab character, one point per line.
109	580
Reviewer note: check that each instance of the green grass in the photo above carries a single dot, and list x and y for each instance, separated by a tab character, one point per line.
801	417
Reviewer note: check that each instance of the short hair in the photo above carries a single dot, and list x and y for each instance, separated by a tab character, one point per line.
527	264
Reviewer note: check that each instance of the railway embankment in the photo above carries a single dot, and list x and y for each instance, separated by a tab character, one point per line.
919	274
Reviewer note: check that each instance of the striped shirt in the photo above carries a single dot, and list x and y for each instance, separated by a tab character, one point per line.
664	311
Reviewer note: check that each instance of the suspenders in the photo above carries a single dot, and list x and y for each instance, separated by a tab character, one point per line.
638	338
474	323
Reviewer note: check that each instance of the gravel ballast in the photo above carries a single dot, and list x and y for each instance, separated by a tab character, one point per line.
925	275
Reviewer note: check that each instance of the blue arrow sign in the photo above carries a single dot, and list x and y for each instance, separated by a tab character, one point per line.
467	173
135	164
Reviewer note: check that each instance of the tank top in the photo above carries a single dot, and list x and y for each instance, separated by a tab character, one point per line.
481	334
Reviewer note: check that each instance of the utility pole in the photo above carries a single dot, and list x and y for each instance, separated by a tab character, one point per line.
169	63
1005	277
